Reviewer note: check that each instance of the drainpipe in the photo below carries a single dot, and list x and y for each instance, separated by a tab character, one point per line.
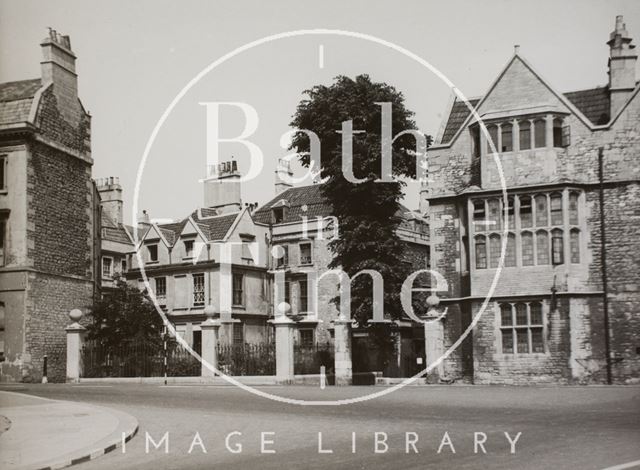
603	261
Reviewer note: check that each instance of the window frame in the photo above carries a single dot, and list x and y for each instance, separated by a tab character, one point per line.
307	344
242	290
194	303
153	259
108	275
301	262
189	248
161	297
545	212
4	181
515	328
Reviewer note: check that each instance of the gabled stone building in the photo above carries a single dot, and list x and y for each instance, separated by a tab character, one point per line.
183	262
48	215
565	201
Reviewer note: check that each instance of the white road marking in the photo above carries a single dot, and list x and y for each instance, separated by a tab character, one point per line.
635	463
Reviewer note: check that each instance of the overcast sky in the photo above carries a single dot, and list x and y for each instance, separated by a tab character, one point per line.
134	58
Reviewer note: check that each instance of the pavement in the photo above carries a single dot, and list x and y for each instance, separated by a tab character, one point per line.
45	433
194	426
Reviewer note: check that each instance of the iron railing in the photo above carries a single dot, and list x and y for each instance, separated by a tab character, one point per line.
247	359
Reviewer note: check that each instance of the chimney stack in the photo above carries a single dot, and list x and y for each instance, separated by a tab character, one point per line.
283	176
58	66
622	66
111	198
222	187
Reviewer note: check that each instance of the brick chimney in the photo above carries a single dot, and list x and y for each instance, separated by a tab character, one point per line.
222	188
622	65
111	198
59	66
283	176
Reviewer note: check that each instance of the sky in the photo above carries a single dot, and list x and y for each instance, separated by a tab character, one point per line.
134	58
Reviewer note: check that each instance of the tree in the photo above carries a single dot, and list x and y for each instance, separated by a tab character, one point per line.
125	315
367	212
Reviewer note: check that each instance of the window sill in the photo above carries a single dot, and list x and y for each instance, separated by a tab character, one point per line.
152	262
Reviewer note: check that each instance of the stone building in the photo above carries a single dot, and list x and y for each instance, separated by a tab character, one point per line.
571	257
48	214
300	222
117	239
184	261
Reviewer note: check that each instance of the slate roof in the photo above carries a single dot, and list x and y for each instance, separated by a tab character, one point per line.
213	226
114	232
594	103
317	206
311	196
15	100
459	112
216	227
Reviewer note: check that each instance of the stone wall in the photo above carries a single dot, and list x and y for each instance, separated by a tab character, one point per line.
49	300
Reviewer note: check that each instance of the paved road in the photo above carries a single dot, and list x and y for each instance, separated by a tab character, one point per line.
562	427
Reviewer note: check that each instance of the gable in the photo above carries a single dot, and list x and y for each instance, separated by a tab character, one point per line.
518	87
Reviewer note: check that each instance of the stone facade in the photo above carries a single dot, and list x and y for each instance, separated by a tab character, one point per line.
546	191
49	212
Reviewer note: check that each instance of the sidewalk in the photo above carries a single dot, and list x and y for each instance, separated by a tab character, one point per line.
55	434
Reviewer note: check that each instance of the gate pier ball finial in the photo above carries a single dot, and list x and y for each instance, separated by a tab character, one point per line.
209	312
75	315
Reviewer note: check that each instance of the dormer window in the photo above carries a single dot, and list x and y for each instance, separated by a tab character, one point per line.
278	215
279	211
188	248
153	253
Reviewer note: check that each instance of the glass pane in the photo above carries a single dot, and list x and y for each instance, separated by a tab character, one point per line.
556	209
510	255
527	249
536	340
541	210
479	216
521	314
507	341
557	132
494	250
557	245
507	137
511	212
522	339
481	253
575	246
540	133
535	310
542	246
493	135
573	209
495	216
525	135
526	220
506	318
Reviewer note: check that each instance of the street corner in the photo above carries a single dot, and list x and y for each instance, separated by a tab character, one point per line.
43	433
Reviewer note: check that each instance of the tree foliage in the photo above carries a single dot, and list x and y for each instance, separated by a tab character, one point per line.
367	212
125	315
